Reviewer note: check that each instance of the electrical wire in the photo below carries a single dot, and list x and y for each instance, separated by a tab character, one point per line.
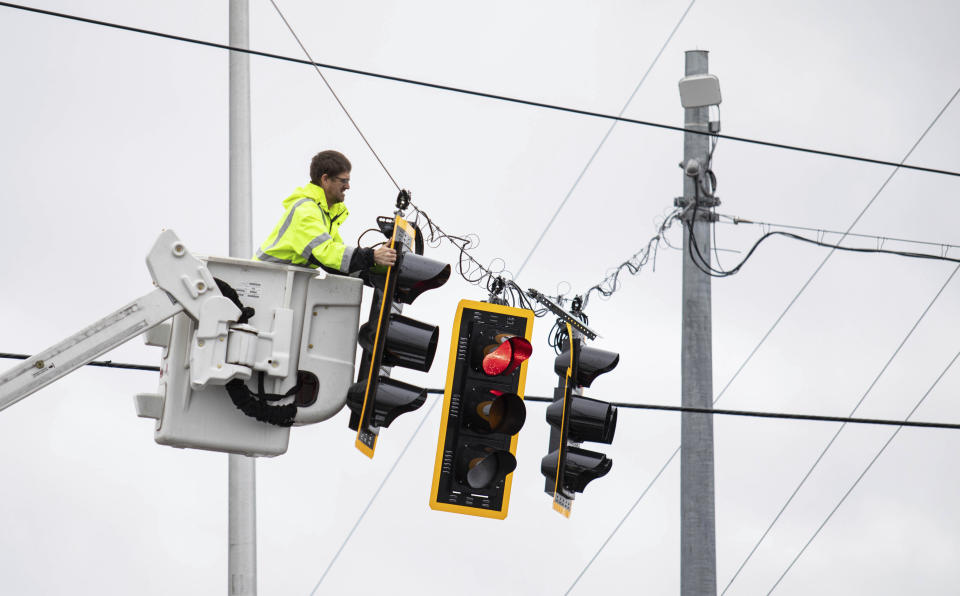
704	265
519	101
860	477
103	363
833	439
769	331
611	283
373	498
596	151
635	263
467	265
499	283
334	93
821	232
759	414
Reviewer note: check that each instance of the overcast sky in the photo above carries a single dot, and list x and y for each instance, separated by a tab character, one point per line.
110	136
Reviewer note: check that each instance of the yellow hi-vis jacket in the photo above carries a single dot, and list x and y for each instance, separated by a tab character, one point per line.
307	235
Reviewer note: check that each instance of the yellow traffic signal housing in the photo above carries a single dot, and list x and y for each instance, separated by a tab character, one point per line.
574	419
483	409
390	339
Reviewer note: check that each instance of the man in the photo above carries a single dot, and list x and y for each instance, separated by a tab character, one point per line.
308	233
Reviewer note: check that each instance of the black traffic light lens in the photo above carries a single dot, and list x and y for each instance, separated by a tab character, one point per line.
483	468
503	359
417	275
590	419
497	412
409	343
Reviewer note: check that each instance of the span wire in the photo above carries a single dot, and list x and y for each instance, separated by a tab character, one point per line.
373	498
704	265
610	284
535	104
775	324
860	477
334	93
603	140
833	439
822	232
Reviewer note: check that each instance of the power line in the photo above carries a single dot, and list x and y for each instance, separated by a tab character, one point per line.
604	139
374	497
514	294
881	240
468	267
756	414
334	93
860	477
788	416
778	415
103	363
703	265
526	102
610	284
830	443
769	331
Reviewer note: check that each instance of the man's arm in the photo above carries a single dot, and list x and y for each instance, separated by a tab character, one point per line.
365	258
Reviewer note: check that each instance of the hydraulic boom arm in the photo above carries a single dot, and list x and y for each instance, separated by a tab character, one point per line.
85	346
183	282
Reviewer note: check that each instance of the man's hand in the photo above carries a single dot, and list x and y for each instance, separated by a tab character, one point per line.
384	255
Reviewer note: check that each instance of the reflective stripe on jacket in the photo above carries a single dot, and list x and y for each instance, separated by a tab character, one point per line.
307	234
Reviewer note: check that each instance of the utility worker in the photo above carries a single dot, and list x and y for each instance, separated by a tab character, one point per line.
308	233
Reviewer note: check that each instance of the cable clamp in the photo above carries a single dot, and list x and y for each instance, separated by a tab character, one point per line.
703	207
403	201
495	286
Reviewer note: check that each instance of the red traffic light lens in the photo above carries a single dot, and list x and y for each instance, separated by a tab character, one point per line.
507	356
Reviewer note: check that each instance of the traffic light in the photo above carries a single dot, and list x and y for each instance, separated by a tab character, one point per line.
483	409
573	419
390	339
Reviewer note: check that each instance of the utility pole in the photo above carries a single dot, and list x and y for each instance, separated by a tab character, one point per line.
698	552
242	532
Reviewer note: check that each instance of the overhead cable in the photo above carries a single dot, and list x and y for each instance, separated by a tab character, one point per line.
826	448
373	498
596	151
611	283
860	477
704	265
766	335
777	415
498	283
467	264
334	93
822	232
530	103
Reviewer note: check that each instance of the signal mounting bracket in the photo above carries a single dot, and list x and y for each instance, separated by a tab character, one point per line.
563	314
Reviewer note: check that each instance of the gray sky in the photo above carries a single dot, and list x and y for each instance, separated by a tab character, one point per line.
110	136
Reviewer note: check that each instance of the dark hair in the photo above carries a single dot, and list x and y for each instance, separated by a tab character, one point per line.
331	163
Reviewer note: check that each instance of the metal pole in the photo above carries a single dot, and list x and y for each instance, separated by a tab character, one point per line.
698	553
242	557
